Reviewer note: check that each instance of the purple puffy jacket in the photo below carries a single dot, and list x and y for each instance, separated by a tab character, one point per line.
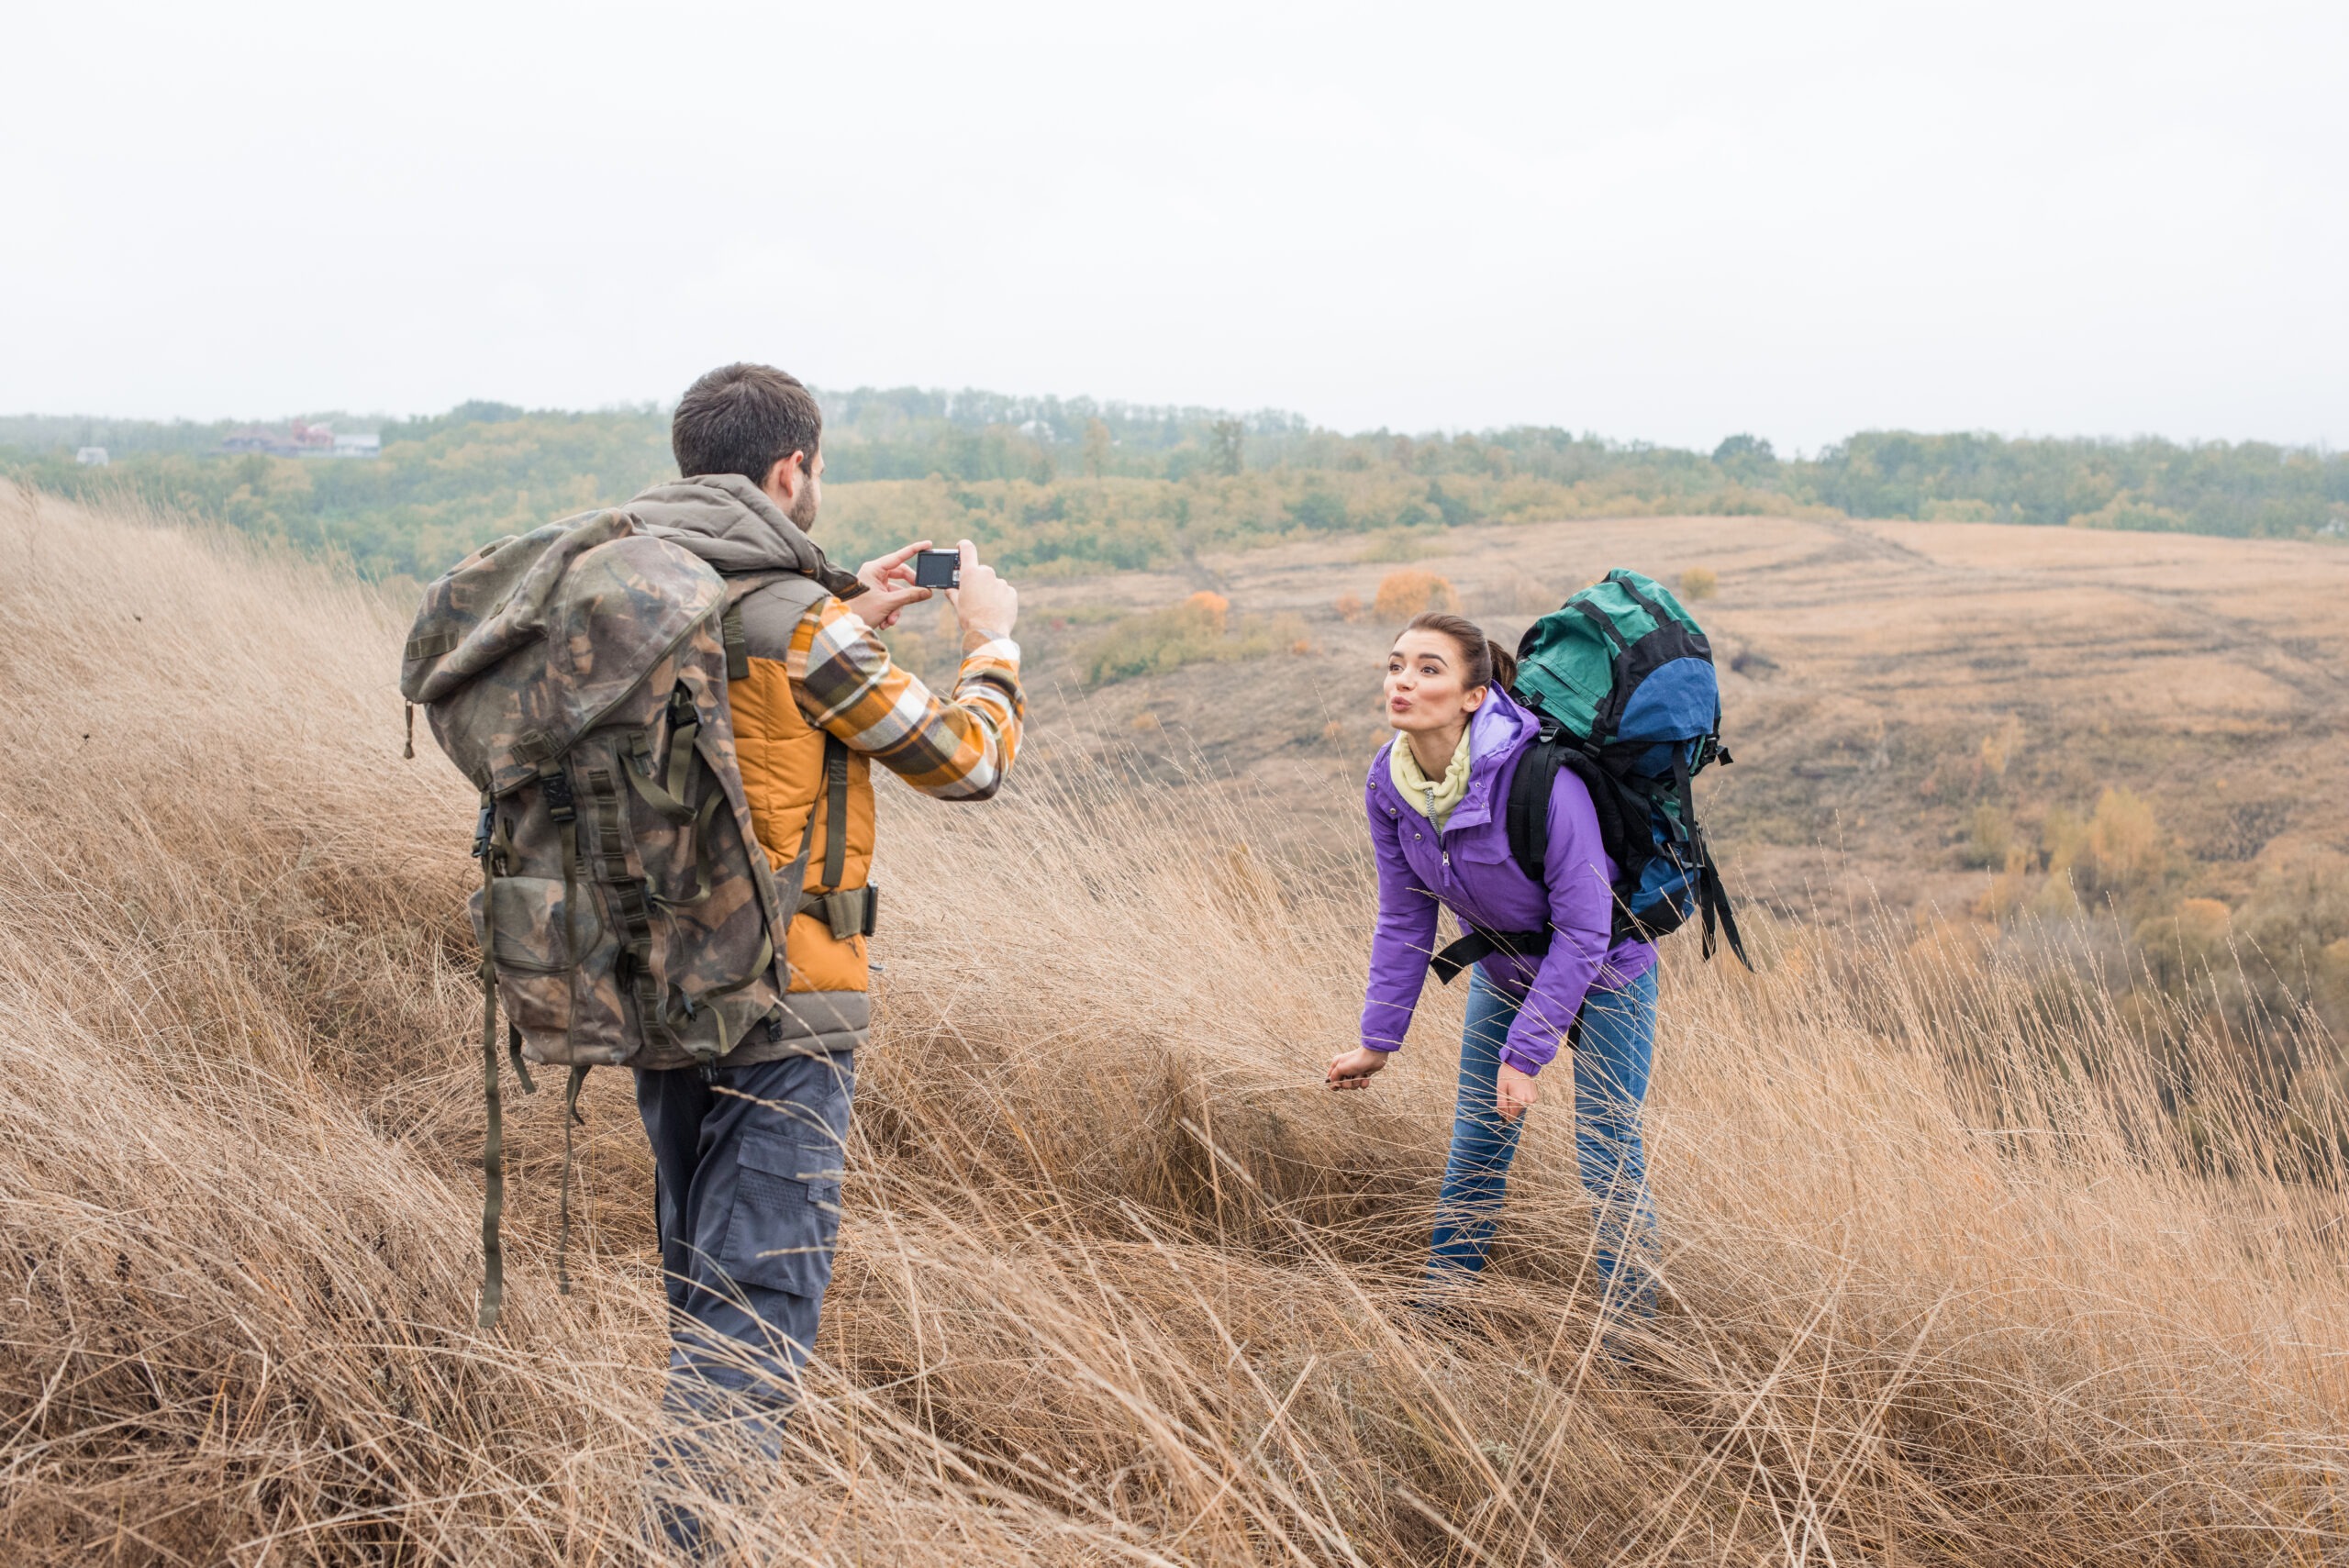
1468	869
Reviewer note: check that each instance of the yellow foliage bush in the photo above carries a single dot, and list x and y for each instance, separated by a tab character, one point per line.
1999	749
1990	836
2124	843
1199	630
2119	852
1409	592
1349	607
1699	582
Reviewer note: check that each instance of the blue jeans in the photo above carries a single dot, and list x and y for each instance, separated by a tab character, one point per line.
1610	1076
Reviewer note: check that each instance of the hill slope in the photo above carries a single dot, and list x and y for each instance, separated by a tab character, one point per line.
1118	1283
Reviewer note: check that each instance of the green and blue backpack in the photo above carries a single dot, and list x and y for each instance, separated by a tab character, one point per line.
1622	682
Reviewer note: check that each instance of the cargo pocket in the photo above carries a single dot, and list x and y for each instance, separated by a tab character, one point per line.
533	924
787	1211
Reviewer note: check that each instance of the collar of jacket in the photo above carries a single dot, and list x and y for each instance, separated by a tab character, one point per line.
1497	733
736	528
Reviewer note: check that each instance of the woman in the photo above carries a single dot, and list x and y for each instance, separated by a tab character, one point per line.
1438	802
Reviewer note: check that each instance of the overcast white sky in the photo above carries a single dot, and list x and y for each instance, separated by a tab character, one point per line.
1667	221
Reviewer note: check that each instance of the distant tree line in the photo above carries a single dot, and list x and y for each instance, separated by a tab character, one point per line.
1072	484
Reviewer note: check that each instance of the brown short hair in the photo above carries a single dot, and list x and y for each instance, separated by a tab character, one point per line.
744	419
1487	662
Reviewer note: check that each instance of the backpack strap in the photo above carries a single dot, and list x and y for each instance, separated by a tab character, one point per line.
1529	803
570	1116
1480	944
835	810
1657	613
1712	897
849	911
799	591
491	843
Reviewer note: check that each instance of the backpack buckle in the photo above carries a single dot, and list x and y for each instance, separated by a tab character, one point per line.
555	785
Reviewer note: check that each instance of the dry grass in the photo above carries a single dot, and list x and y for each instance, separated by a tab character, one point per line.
1118	1286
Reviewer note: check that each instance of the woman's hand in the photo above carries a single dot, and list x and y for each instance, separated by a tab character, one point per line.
1352	1069
1514	1091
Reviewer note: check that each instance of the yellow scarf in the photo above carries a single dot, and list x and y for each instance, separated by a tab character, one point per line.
1430	799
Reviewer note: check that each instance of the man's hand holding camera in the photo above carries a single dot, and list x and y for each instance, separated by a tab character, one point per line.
984	603
988	607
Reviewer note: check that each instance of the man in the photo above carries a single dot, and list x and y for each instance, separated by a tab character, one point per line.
747	1152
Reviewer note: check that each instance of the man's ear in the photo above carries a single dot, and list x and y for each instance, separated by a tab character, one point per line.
784	479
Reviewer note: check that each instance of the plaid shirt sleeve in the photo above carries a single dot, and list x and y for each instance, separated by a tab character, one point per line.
957	749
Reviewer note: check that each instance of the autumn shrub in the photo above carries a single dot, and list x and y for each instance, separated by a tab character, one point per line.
1699	582
1199	630
1991	835
1409	592
2119	853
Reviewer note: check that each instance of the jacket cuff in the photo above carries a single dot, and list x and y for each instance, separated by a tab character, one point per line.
1385	1047
982	645
1525	1063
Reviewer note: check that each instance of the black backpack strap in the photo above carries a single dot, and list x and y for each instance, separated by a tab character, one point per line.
1481	944
1529	804
1657	613
1712	898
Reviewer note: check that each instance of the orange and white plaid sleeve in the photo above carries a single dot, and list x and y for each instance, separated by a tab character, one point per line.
959	748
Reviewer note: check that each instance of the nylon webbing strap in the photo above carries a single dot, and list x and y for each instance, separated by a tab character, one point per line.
493	1152
514	1059
737	643
1481	944
703	854
1597	617
1656	613
835	810
628	897
669	801
493	844
682	736
571	1116
849	911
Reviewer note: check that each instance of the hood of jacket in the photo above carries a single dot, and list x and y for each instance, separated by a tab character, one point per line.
1498	733
736	528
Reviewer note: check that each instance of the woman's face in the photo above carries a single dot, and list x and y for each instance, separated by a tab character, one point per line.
1425	685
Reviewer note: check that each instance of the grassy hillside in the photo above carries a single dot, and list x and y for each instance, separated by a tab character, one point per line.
1060	486
2123	748
1118	1283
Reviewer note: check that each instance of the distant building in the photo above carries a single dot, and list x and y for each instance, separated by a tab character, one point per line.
304	439
90	457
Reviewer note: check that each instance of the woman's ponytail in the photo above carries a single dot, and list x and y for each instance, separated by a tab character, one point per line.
1503	664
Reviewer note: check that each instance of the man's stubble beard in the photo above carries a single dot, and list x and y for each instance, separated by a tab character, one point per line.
803	509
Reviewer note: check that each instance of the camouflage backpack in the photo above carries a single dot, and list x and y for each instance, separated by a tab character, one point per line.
627	915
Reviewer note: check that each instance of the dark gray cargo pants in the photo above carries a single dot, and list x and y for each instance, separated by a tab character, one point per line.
748	1167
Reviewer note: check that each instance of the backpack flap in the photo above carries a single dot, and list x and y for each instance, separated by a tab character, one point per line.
527	643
